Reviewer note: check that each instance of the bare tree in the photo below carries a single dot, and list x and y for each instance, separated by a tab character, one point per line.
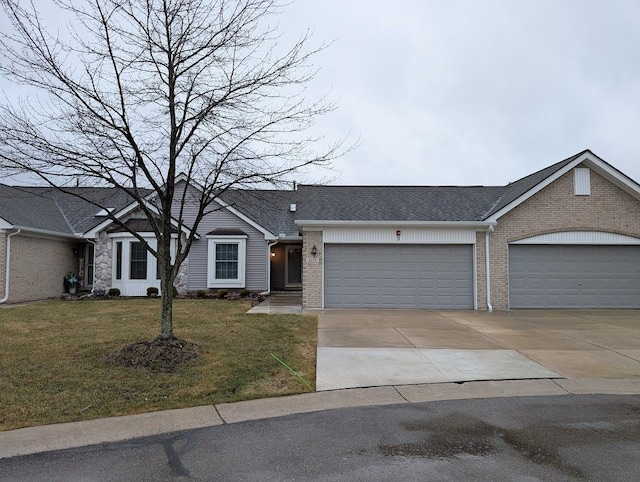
141	91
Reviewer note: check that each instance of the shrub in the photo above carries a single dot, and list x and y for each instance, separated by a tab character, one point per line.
201	294
244	293
222	294
114	292
174	292
152	291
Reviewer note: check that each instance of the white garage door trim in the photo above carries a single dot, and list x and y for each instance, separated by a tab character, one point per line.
464	296
580	237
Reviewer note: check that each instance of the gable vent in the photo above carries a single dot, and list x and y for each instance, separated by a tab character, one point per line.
582	181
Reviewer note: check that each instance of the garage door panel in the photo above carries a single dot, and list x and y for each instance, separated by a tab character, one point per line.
564	276
399	276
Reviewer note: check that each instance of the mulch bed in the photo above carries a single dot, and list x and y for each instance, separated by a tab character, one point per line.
159	355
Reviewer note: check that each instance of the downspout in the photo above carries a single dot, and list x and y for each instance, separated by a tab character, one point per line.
488	266
7	267
269	246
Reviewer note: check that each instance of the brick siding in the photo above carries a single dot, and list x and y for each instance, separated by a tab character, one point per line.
37	267
3	261
554	209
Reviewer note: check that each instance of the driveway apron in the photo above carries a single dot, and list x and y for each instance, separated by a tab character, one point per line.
364	348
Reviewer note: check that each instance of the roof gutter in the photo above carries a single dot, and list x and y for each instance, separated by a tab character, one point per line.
45	232
417	224
289	238
8	267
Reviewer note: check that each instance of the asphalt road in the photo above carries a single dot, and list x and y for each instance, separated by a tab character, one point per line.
590	437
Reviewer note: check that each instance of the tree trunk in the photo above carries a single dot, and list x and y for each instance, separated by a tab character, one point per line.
166	323
166	286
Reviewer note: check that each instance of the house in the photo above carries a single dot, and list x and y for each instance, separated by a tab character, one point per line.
565	236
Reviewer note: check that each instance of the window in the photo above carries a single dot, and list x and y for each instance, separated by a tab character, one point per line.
226	262
138	261
119	260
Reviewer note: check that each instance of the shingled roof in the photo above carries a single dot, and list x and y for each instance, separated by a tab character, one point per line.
29	209
394	203
514	190
49	209
268	208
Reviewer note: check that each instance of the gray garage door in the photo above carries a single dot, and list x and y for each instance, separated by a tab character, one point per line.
398	276
574	276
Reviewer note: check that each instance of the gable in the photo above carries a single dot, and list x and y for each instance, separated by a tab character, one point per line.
219	210
556	207
518	192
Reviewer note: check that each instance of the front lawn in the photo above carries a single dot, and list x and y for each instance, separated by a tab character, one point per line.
54	363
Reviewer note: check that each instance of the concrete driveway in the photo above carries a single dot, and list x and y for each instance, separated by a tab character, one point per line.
362	348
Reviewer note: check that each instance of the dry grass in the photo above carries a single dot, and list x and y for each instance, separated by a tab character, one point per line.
54	358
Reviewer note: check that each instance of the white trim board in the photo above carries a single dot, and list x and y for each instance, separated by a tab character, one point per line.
580	237
407	236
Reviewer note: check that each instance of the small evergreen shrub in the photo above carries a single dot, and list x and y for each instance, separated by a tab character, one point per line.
114	292
201	294
244	293
222	294
152	291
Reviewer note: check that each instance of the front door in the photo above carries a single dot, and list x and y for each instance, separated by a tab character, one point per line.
293	267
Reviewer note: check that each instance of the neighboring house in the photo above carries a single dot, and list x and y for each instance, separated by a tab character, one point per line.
566	236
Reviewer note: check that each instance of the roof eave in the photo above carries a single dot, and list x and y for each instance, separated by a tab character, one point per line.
399	222
93	232
45	232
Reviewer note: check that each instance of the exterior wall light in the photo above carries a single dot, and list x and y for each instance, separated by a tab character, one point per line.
273	254
314	251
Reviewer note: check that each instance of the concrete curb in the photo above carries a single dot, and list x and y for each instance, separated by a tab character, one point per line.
33	440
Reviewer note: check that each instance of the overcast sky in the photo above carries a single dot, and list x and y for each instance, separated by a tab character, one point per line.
476	92
456	92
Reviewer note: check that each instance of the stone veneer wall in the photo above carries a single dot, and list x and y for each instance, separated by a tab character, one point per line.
312	270
554	209
182	278
103	265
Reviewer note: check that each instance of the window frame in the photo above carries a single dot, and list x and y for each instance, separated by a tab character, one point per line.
143	261
240	280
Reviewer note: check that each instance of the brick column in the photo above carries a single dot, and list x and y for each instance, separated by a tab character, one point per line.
312	269
3	260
